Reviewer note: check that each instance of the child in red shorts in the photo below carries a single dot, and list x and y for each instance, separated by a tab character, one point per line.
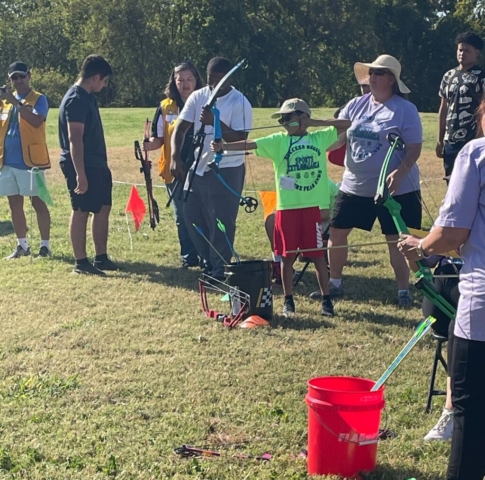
300	164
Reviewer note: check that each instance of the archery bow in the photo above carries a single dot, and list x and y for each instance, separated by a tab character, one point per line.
199	138
250	204
383	197
146	167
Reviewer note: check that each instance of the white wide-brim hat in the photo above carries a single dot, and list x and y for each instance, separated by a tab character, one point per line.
361	70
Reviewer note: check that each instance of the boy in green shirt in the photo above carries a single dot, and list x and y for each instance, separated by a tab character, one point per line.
300	165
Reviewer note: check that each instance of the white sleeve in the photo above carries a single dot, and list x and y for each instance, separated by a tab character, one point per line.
242	115
160	126
189	112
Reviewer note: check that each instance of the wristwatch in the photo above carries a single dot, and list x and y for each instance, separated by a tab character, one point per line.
420	250
20	104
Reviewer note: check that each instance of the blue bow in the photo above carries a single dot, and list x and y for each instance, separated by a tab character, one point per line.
250	204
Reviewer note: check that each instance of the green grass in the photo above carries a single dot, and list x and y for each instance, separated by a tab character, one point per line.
124	124
102	378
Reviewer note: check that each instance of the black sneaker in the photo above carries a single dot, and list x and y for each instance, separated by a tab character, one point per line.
106	265
44	252
289	308
327	307
18	252
88	269
189	264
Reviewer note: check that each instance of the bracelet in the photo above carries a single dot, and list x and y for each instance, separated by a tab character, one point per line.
420	250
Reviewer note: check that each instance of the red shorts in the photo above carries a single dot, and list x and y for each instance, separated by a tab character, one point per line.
300	228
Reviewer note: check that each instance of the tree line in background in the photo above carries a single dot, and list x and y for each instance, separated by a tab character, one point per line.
303	48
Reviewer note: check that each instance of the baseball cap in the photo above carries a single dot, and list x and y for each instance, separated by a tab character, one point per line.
18	67
293	105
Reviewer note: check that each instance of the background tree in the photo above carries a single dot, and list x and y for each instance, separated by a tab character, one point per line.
293	47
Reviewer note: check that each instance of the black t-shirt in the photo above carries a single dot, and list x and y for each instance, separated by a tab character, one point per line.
463	91
80	106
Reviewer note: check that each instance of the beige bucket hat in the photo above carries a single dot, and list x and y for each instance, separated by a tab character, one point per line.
361	70
293	105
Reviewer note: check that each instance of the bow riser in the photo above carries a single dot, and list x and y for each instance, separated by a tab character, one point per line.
383	197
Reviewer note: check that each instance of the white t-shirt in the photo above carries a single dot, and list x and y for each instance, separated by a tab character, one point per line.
236	113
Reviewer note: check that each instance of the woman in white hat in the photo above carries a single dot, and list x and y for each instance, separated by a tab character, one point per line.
382	111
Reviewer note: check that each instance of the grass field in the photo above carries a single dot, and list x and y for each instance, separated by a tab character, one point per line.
103	377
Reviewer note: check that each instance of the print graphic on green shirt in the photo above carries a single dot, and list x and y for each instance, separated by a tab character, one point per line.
300	165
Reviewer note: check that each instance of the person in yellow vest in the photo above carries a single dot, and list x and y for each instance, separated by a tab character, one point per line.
183	80
23	146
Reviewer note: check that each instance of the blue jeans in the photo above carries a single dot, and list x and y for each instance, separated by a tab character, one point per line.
188	252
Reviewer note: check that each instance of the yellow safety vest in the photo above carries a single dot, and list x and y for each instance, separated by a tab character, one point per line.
170	113
33	140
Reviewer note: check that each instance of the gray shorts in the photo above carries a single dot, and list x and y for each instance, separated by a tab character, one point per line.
14	181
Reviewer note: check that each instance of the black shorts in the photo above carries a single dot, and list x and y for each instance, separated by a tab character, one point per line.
100	185
352	211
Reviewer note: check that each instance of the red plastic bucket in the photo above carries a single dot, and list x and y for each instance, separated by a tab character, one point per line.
343	425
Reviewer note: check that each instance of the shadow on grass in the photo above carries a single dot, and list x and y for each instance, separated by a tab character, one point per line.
6	228
361	290
356	288
386	472
298	323
168	275
151	272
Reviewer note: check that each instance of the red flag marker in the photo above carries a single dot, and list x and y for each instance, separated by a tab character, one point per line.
136	206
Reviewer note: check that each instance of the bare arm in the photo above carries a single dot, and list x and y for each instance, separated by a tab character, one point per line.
340	124
24	111
444	239
341	141
442	113
153	143
234	146
394	179
228	134
439	241
75	132
176	145
34	119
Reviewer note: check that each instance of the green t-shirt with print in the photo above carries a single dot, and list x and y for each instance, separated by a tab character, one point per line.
300	165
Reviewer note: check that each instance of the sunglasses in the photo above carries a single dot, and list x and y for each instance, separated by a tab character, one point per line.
286	117
380	72
16	77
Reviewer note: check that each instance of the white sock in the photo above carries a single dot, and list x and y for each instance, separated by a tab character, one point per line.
336	282
23	243
276	258
448	411
45	243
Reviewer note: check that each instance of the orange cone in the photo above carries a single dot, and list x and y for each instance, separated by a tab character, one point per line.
254	321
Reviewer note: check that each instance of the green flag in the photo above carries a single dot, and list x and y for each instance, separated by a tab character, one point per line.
42	191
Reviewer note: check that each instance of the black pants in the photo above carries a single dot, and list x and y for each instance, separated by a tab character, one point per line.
450	152
467	457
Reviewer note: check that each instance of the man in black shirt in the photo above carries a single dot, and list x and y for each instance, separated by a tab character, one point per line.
84	162
461	91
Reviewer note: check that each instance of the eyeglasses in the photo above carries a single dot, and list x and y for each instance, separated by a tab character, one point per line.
380	72
16	77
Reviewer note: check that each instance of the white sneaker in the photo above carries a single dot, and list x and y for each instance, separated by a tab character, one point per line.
443	430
